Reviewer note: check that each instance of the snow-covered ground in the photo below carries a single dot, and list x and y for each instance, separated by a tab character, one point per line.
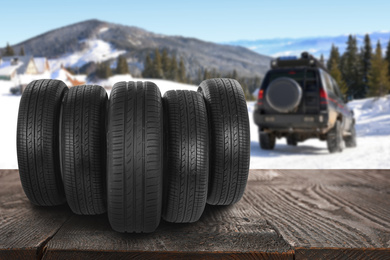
96	50
9	105
373	130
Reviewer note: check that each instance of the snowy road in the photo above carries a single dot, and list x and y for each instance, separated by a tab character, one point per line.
372	152
373	128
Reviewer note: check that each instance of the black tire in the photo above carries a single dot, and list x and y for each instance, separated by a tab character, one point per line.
187	156
83	149
229	140
335	138
38	142
291	141
267	141
284	95
134	157
350	140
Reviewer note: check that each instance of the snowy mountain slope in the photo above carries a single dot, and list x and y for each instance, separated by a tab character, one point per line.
94	40
315	45
95	51
372	152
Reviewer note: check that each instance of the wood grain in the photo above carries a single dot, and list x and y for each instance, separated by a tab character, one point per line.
348	209
284	214
231	231
24	228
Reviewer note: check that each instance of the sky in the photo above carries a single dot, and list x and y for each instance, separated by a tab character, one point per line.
216	21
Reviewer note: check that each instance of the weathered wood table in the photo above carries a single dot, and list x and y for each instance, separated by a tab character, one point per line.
284	214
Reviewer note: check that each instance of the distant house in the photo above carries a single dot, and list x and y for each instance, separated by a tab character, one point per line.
67	77
42	65
12	66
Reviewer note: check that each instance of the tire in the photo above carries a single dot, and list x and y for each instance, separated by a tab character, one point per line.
83	149
229	140
350	141
187	156
134	157
267	141
291	141
335	138
284	95
38	142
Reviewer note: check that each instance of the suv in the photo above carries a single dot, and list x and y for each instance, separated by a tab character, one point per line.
298	99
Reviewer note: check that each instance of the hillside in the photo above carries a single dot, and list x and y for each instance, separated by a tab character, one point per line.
94	40
315	45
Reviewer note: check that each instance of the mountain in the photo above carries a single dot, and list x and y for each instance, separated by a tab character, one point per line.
93	40
315	45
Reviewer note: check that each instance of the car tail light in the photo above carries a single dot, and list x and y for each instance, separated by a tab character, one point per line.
261	94
323	99
323	94
260	97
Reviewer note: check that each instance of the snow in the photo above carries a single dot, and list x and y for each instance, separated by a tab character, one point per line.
372	151
96	50
103	29
373	136
40	63
6	69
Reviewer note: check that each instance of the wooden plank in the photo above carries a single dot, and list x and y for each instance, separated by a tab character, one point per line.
234	231
341	253
315	210
306	214
24	228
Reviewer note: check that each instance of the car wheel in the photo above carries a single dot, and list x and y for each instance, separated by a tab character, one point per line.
187	156
267	141
291	141
134	157
350	140
38	142
83	140
335	138
229	140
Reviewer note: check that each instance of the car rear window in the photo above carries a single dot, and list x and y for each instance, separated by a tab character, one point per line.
296	74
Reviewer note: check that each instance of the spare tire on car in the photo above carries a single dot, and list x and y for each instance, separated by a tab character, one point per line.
284	95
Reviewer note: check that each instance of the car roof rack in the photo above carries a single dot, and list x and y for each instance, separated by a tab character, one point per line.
306	60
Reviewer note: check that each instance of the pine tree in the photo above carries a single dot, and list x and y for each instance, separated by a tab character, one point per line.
388	57
21	52
336	74
199	76
9	51
165	62
322	59
181	71
206	74
103	70
173	70
334	55
378	80
366	57
122	67
351	69
148	68
157	66
234	74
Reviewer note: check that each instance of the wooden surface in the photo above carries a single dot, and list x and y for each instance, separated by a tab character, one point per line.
284	214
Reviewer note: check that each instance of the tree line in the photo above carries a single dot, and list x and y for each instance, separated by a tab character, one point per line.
164	66
9	51
361	73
